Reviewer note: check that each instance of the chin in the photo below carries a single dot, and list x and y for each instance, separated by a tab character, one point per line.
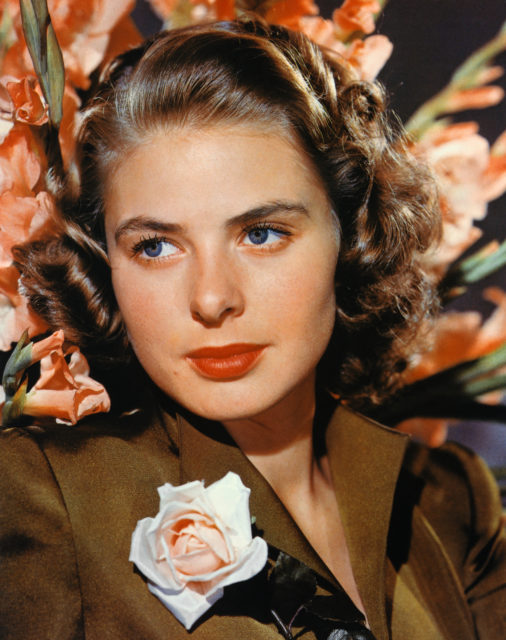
220	411
226	402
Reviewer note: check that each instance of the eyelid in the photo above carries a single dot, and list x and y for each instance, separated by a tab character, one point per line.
280	239
270	226
138	247
264	224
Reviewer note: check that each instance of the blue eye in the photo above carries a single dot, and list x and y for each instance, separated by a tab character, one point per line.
151	248
264	235
258	236
154	249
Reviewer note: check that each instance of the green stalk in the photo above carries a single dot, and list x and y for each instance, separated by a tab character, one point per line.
470	270
45	53
465	77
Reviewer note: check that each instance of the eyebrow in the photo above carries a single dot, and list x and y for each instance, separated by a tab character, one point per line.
265	210
146	223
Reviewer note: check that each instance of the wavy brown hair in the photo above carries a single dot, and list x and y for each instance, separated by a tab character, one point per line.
240	72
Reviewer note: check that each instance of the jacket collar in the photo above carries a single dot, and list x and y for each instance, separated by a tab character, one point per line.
365	460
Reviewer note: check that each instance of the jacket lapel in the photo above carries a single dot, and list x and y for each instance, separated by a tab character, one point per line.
365	459
209	457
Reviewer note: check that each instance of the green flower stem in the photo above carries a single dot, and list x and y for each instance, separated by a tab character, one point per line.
180	16
467	371
283	629
45	53
6	37
471	270
13	407
19	360
465	77
451	393
485	385
453	380
447	408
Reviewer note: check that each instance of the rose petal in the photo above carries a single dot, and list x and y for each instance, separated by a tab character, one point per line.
199	542
187	605
234	510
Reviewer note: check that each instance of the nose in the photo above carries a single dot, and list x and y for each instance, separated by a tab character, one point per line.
216	293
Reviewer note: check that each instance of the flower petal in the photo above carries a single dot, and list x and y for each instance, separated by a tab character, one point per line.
198	542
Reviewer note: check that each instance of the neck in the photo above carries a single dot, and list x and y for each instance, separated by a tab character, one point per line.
279	442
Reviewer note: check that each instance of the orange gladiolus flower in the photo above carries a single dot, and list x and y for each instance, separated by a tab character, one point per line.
83	31
469	175
432	431
290	12
44	347
26	101
225	9
461	336
323	32
23	220
125	35
64	390
355	15
15	314
494	183
456	337
20	164
369	56
477	98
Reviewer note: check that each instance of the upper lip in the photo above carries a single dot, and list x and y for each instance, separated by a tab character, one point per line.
225	351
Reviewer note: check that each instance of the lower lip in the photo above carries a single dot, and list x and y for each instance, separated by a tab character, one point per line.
227	368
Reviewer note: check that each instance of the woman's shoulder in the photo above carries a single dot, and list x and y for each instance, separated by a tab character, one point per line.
36	547
70	498
455	483
103	443
461	507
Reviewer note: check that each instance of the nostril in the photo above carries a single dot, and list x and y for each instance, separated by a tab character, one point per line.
212	319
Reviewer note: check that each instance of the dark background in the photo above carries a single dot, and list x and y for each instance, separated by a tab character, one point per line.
431	38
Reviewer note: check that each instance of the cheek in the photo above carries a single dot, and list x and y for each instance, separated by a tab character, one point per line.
142	304
305	300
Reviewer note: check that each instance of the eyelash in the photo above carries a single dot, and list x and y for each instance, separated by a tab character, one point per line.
146	241
269	226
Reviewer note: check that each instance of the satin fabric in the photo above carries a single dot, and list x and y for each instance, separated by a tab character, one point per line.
423	529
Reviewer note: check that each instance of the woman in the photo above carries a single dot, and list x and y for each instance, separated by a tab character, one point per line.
245	221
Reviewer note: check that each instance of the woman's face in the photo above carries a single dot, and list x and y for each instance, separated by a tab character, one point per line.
223	250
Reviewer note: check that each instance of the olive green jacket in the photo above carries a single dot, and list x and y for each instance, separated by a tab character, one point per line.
423	529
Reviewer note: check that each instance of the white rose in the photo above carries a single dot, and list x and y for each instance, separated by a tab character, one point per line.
199	542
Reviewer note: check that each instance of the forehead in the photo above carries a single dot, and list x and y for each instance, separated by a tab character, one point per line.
223	168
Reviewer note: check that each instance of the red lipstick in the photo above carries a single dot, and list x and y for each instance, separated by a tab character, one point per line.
227	362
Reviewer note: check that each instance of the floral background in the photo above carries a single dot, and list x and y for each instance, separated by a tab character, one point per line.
414	47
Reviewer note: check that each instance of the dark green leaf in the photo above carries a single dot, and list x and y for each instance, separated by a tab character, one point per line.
45	53
473	269
291	585
351	631
13	408
18	361
327	608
